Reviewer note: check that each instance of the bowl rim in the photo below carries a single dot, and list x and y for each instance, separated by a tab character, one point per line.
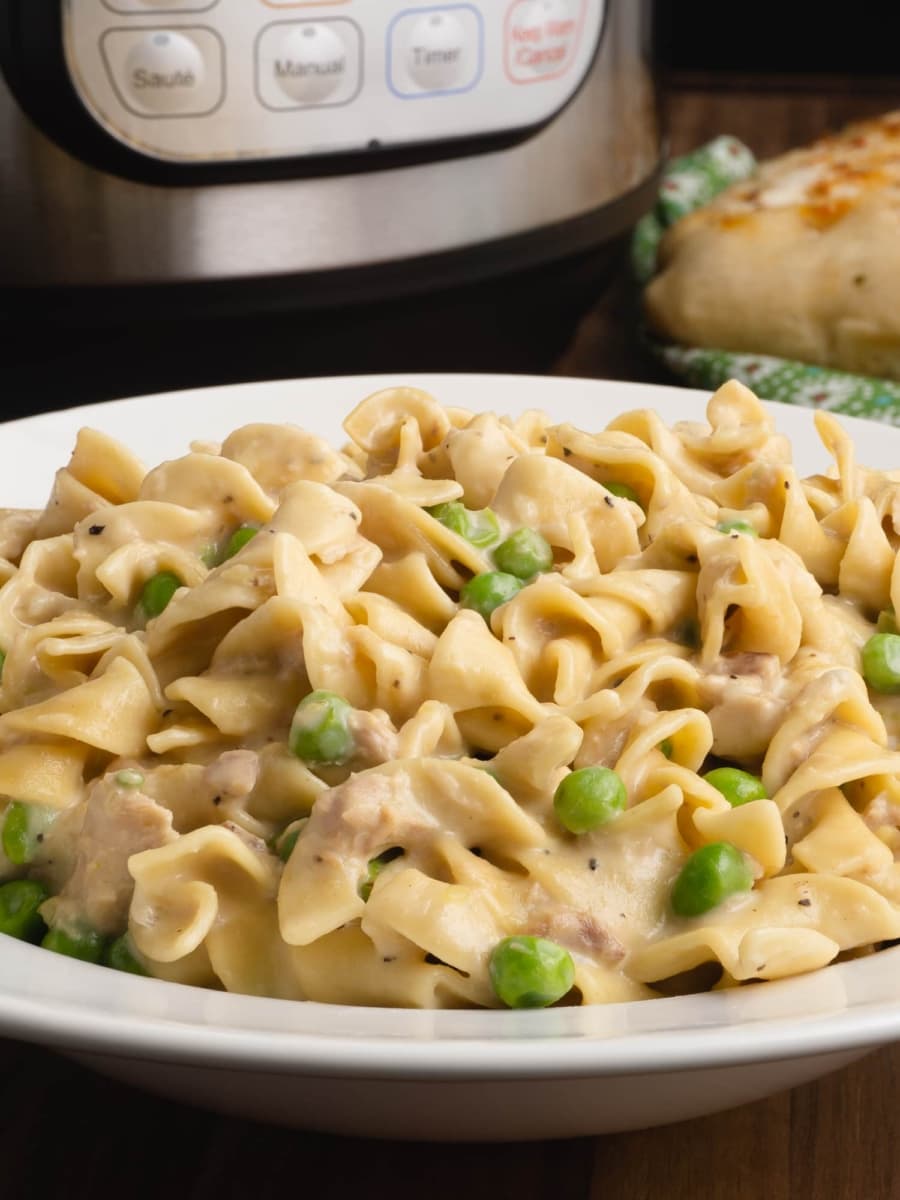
75	1006
81	1007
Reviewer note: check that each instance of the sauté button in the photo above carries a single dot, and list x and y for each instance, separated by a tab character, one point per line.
311	63
165	72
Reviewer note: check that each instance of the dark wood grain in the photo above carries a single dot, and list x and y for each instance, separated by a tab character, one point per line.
65	1132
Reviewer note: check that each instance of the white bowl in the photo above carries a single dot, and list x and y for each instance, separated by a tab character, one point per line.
438	1075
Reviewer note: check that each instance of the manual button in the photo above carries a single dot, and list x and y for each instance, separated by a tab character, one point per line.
165	72
311	64
302	64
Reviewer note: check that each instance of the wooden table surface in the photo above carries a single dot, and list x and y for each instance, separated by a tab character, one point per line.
65	1132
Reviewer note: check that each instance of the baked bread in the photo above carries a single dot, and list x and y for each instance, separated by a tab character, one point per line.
801	261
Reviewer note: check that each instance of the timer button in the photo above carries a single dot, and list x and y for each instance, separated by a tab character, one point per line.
438	50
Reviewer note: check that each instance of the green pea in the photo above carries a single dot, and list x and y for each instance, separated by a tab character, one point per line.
19	903
238	541
488	591
881	662
285	843
478	526
667	746
738	787
710	875
2	661
530	972
737	526
319	731
588	798
524	554
374	869
688	633
209	556
623	491
887	621
158	591
86	944
130	777
23	830
121	956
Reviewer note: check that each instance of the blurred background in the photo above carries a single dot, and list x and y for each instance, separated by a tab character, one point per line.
116	271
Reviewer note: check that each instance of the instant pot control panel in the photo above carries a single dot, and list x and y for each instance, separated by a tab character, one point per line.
228	81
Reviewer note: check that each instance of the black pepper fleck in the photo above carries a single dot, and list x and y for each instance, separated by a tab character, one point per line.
787	485
217	800
388	958
497	716
608	500
805	903
566	451
228	499
40	837
94	530
593	864
318	858
167	712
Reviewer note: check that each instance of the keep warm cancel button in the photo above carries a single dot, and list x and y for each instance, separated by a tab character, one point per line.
541	38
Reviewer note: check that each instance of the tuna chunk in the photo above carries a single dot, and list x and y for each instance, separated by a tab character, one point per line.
579	931
233	774
118	822
375	737
746	703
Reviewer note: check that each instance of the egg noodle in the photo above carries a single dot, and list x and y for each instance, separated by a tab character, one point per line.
707	608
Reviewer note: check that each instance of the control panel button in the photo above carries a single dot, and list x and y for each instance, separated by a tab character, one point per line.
303	64
160	6
435	50
541	38
165	72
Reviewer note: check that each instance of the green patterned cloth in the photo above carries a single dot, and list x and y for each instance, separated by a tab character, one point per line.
688	183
